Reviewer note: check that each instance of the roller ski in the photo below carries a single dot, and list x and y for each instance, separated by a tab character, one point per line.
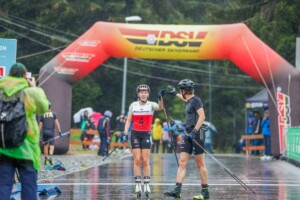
203	196
147	191
176	192
138	191
48	163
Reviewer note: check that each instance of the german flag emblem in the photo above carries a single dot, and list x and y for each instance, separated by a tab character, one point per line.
164	38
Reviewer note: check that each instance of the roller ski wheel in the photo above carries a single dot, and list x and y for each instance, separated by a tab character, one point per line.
203	196
138	195
199	197
147	191
177	197
175	193
147	194
138	191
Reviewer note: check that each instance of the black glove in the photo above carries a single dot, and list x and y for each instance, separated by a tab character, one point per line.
60	134
161	94
192	135
124	138
171	90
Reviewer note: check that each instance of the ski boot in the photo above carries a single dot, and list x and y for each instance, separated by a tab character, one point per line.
50	160
147	190
176	192
138	190
46	162
203	196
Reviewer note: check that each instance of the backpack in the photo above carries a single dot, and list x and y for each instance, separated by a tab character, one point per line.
13	124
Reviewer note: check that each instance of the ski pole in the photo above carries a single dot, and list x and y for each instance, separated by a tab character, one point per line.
59	136
169	131
110	153
246	187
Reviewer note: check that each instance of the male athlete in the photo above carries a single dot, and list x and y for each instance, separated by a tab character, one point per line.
194	119
47	125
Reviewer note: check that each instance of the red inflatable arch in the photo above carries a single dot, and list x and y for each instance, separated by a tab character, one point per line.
234	42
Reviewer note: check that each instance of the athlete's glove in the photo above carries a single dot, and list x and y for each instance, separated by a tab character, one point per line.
124	138
161	94
171	90
192	135
60	134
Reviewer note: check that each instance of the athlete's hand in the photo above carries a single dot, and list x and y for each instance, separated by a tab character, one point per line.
171	90
60	134
161	94
124	138
192	135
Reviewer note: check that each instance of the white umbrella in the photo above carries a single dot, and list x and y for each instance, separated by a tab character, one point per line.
77	116
211	126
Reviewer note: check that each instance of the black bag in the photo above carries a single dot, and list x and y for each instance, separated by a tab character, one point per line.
13	124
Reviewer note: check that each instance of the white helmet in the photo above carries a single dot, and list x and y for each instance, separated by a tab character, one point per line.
142	87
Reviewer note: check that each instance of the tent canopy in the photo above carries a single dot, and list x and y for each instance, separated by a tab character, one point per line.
259	100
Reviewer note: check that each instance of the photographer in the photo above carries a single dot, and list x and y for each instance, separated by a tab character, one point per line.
24	157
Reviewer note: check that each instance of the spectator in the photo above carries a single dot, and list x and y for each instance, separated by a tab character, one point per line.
256	128
104	132
48	122
208	137
85	123
26	157
166	138
250	121
156	135
265	124
121	120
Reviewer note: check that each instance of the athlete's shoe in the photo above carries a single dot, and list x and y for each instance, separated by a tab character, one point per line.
46	162
50	160
147	190
138	190
176	192
205	193
263	157
268	157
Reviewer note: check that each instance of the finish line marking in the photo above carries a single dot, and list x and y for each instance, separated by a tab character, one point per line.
172	184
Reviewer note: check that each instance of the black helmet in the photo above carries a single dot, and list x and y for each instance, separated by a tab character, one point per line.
186	84
49	104
142	87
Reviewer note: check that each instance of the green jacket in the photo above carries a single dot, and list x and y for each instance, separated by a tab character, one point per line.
35	102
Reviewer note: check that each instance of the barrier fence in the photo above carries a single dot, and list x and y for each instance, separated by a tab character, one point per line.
293	144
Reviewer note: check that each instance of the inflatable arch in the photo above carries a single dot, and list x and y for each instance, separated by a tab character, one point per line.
234	42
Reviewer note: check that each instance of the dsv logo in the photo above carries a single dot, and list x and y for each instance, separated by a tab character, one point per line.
164	38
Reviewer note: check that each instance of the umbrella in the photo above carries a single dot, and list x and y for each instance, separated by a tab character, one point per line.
96	116
77	116
211	126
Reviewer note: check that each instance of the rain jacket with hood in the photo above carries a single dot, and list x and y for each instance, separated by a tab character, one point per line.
157	130
35	102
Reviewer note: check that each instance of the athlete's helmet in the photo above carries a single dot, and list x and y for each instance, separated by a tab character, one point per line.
186	84
142	87
49	105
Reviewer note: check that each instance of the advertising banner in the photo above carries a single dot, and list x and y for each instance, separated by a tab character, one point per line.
8	54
